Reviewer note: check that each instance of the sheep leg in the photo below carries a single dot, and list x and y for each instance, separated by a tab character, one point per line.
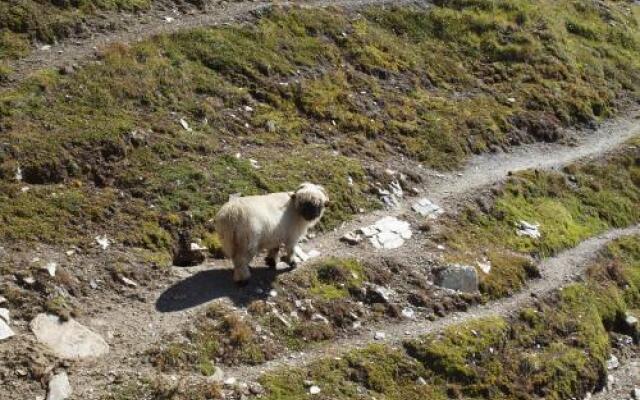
241	272
272	258
288	257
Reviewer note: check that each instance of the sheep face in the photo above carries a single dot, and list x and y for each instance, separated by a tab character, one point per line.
310	201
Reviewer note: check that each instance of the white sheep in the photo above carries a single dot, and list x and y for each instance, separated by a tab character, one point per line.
248	225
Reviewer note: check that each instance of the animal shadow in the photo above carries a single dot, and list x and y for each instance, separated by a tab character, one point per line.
206	286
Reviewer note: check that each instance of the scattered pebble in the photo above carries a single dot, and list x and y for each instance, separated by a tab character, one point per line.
612	362
230	381
531	230
169	19
51	268
128	282
420	381
314	390
273	293
408	313
427	208
185	125
103	242
380	336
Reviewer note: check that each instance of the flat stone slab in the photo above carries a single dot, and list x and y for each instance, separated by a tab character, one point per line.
531	230
68	339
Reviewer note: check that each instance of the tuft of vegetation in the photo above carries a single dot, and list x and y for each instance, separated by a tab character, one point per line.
579	202
334	278
555	349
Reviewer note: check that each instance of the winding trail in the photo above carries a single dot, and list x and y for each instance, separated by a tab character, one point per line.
556	272
140	27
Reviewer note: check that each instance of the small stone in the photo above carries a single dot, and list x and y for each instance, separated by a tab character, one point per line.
420	381
351	238
185	125
103	242
635	393
5	330
255	388
230	381
531	230
273	293
379	336
319	318
168	19
485	266
128	282
217	376
631	321
197	247
612	362
307	383
4	314
511	99
46	47
313	253
59	387
427	208
408	313
2	300
314	390
271	126
29	280
93	284
51	268
463	278
282	266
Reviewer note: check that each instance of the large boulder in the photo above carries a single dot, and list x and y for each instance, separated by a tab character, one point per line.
463	278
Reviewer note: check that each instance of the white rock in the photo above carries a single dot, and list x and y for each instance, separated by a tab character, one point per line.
314	390
29	280
5	315
636	393
427	208
68	339
282	266
392	224
230	381
128	282
103	242
379	336
46	47
273	293
485	266
420	381
349	181
319	318
511	99
408	313
5	330
51	268
169	19
528	229
351	238
217	376
387	240
2	299
59	387
197	247
631	321
313	253
185	125
254	163
612	362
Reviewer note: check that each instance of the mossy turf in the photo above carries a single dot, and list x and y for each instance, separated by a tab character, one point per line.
309	95
555	349
582	200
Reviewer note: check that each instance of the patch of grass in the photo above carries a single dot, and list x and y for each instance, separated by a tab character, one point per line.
555	349
218	337
334	277
581	201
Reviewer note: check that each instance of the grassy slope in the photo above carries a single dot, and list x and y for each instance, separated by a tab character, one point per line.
556	349
584	199
46	21
436	85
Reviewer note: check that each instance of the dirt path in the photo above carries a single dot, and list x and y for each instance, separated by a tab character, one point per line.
134	329
153	22
556	272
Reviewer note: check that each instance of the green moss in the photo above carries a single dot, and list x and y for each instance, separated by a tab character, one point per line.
334	277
